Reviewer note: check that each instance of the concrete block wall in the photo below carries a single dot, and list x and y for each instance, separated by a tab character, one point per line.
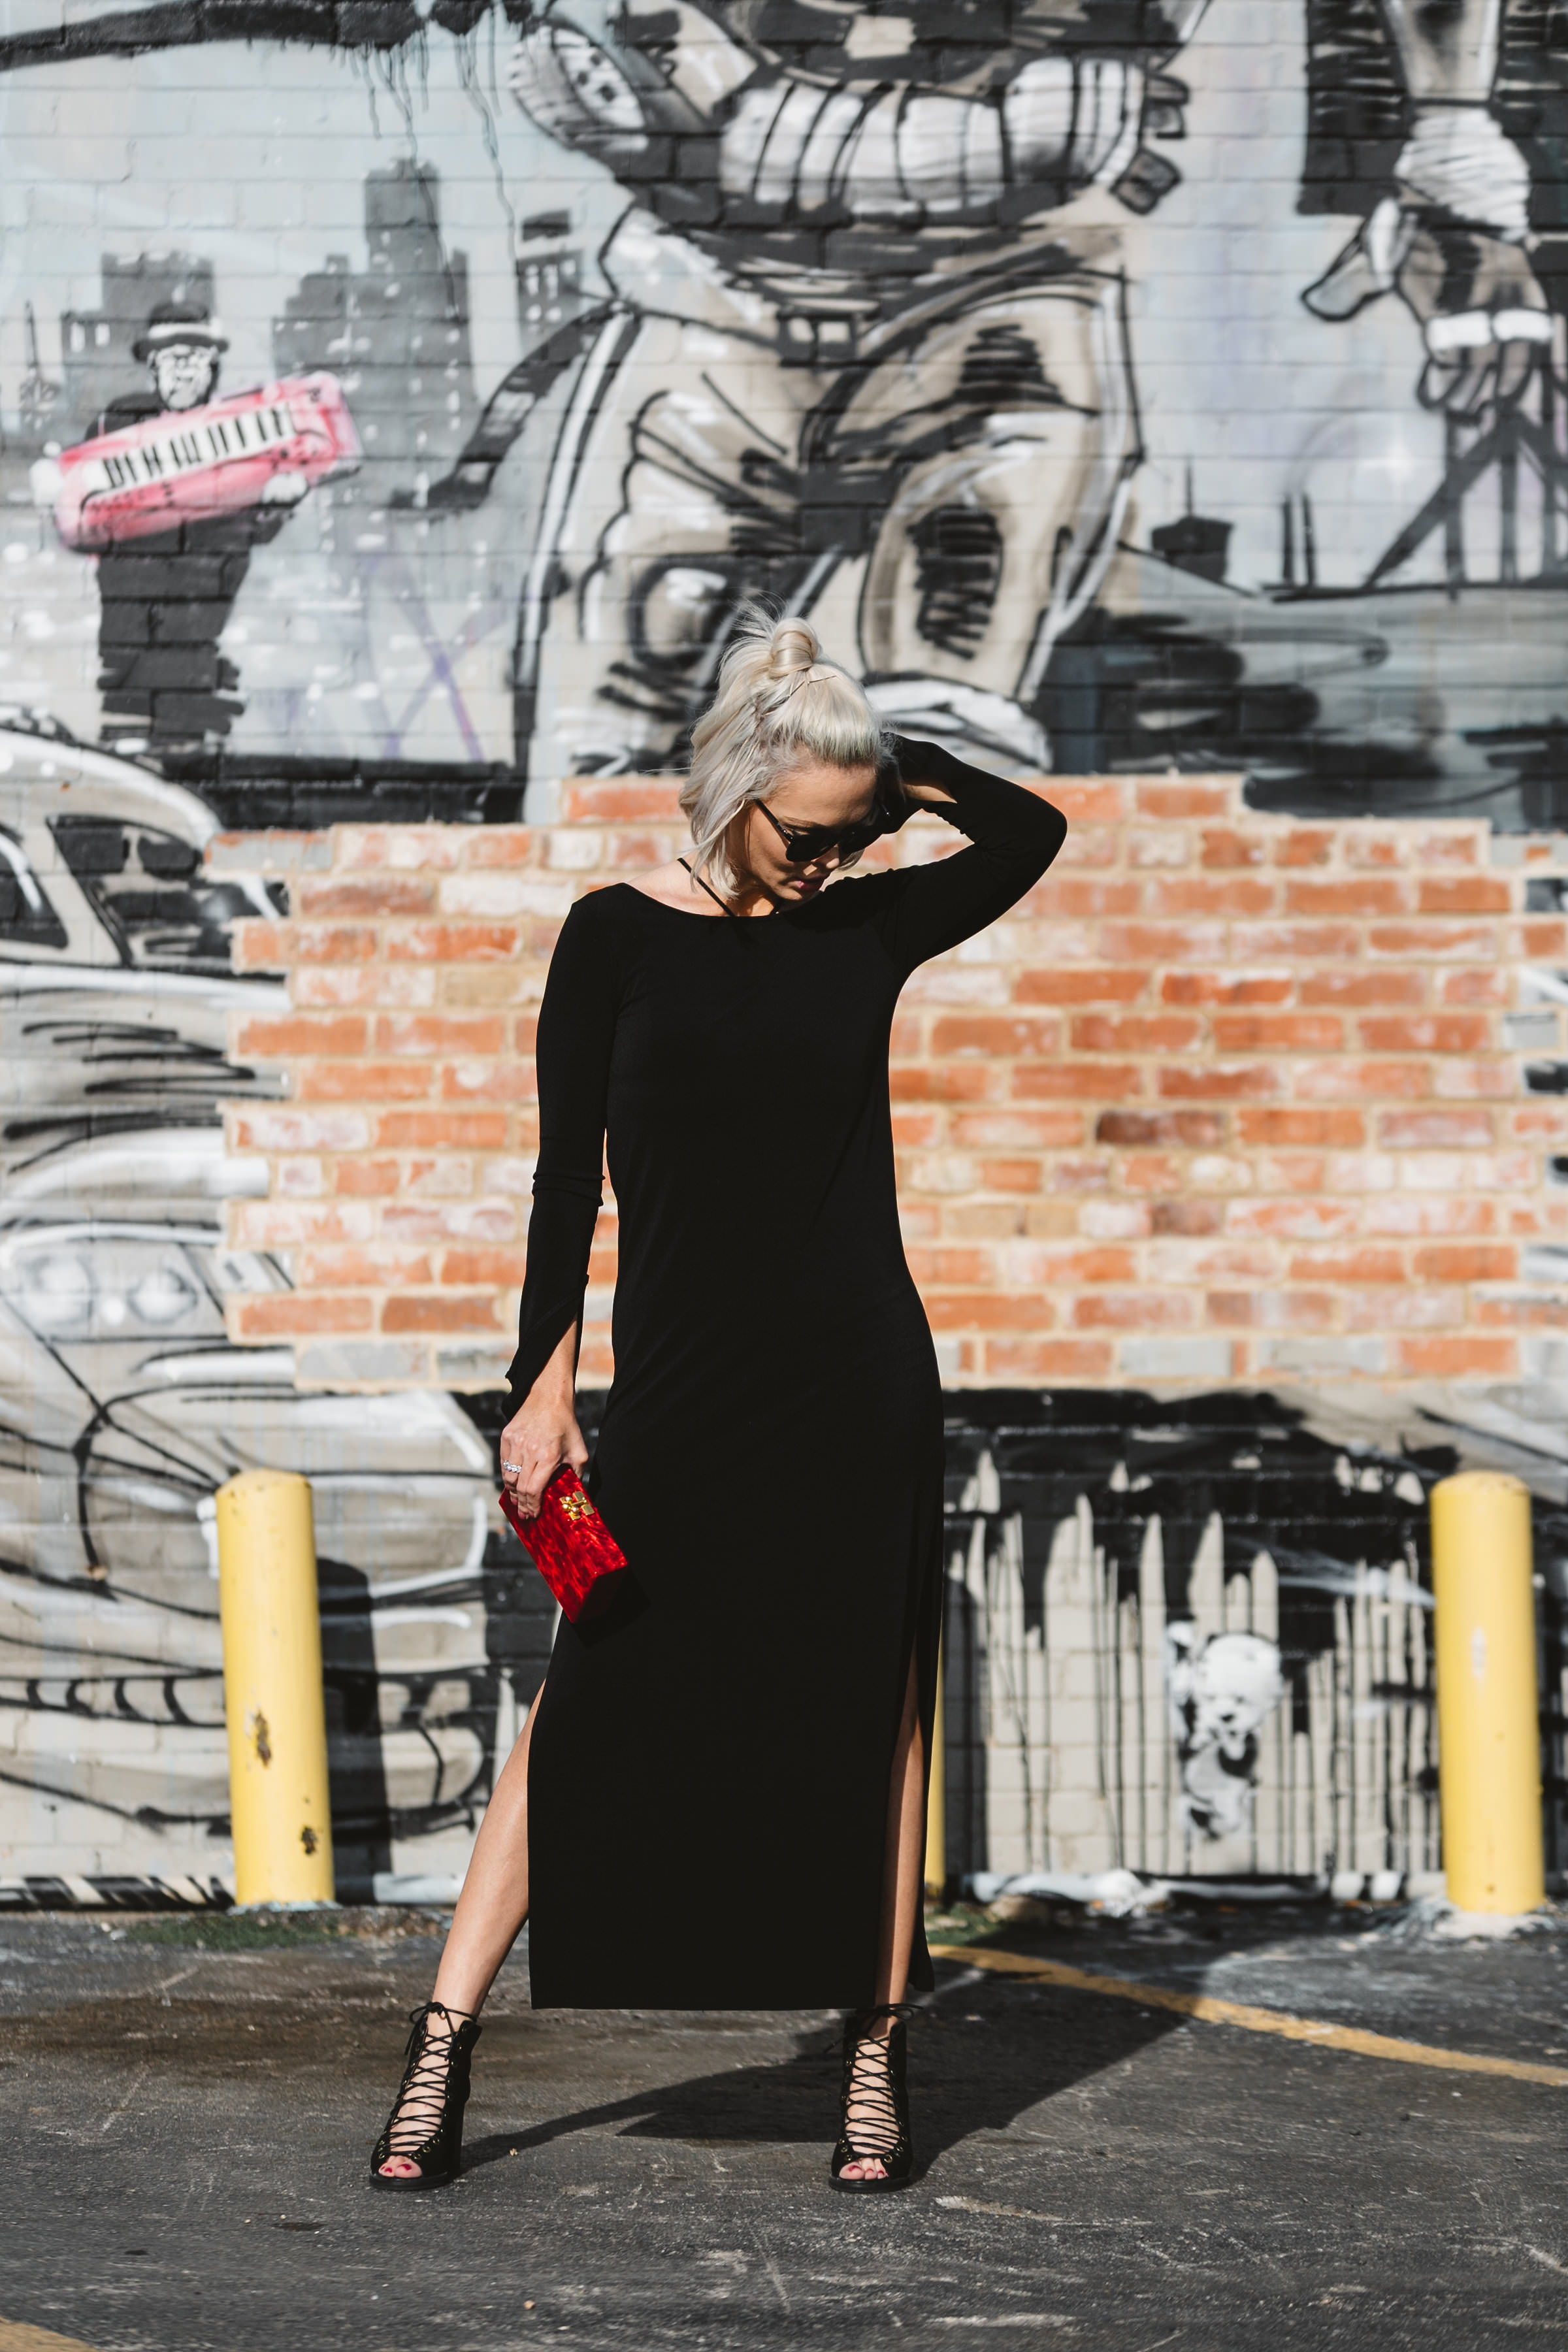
1228	1099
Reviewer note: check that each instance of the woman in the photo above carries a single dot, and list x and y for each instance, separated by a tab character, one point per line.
753	1720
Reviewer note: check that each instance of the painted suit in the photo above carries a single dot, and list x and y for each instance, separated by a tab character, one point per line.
854	363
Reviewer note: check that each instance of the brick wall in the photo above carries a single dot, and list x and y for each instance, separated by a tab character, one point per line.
1229	1098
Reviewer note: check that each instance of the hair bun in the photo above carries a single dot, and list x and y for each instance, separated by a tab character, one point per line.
794	645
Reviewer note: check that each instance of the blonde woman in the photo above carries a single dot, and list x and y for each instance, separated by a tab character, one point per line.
753	1729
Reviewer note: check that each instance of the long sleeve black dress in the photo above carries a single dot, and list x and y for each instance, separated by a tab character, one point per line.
709	1777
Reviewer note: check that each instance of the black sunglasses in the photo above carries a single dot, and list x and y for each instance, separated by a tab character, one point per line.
802	842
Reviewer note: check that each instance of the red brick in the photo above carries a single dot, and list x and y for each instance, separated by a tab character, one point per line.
1348	1265
1093	1081
1523	1314
301	1034
1484	987
1365	850
1433	938
1227	988
1540	940
1210	1082
940	1082
501	1081
475	1312
1273	1310
1291	1219
1429	1213
353	1267
1100	1032
1099	800
1175	800
1197	1129
1003	1034
475	1130
1373	894
366	895
1134	1310
1344	1129
1292	943
1277	1032
1429	1033
1407	1130
1163	944
1049	1359
1223	848
1215	893
988	1310
286	1315
1077	895
967	1269
1345	1079
1194	1218
1463	894
364	1081
1309	847
1450	1359
1356	988
503	1267
435	1034
621	800
1039	1129
371	1178
454	943
1011	1175
1466	1262
1076	985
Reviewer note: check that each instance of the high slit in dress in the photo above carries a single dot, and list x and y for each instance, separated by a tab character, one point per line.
709	1771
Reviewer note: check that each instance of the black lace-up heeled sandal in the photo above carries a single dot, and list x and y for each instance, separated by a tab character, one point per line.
875	2086
425	2126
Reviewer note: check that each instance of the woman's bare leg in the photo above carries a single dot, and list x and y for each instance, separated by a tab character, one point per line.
492	1908
901	1889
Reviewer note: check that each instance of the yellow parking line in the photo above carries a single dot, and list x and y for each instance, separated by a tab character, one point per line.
15	2336
1203	2006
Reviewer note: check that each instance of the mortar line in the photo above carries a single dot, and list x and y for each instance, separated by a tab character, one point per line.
1210	2011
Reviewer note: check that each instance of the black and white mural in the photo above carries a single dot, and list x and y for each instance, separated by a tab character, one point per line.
124	1406
397	397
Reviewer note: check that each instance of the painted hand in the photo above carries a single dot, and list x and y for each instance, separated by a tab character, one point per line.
1453	245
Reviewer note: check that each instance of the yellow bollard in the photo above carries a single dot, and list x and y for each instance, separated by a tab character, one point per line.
272	1690
936	1801
1489	1741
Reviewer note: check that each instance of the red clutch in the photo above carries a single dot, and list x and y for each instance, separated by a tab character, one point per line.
572	1548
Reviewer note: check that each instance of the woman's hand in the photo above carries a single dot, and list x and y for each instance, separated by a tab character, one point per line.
535	1441
542	1433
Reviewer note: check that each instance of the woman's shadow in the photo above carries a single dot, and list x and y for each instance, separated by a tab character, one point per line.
981	2056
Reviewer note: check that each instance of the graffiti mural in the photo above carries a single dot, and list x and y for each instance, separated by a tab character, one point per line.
124	1406
395	399
1181	384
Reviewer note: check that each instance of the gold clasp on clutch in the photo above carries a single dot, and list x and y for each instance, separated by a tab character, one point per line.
577	1507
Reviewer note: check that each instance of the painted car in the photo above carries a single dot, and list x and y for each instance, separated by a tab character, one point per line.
124	1405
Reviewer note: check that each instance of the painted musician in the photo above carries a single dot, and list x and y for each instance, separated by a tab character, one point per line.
164	600
856	364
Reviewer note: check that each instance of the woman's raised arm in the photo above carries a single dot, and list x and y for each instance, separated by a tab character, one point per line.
1014	834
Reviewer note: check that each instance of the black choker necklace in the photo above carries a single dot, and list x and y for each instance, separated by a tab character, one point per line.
712	894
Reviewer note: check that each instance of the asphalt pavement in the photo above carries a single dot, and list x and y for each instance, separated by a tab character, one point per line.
189	2102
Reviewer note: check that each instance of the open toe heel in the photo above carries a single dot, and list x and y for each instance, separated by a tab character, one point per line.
875	2128
425	2126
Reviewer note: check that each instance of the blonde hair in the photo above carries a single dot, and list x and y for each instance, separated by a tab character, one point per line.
779	701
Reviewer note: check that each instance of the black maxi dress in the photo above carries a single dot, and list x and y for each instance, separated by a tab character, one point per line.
709	1775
